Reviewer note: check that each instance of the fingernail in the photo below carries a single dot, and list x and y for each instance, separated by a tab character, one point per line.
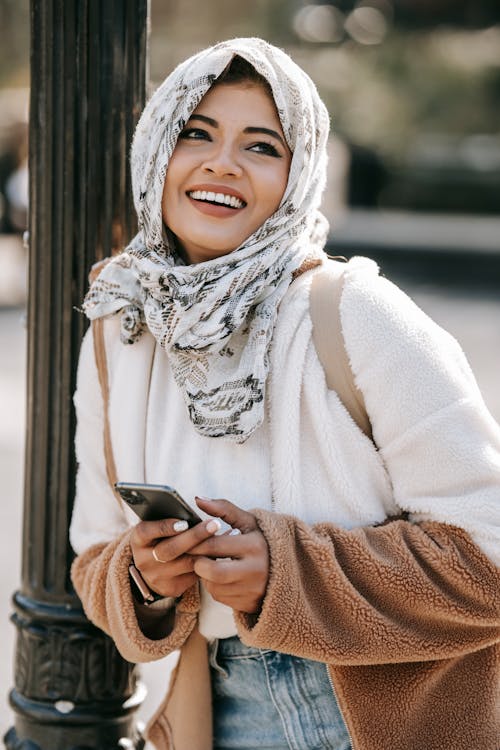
206	499
213	526
234	532
181	526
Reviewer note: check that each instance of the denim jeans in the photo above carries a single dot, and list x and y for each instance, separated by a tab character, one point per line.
266	700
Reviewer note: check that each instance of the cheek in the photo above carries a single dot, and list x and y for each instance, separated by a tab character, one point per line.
169	191
176	171
165	204
274	189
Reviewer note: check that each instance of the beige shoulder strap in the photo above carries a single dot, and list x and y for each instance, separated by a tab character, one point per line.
326	290
102	373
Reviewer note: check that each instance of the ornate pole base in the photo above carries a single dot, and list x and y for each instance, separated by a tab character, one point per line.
73	691
81	737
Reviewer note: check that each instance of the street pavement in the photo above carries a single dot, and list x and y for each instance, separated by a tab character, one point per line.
472	318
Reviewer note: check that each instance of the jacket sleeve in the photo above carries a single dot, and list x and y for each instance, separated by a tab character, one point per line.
400	592
100	531
439	444
101	580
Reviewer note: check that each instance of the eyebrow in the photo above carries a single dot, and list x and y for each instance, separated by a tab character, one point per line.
249	129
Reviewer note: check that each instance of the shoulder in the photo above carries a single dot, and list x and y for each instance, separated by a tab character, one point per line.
380	321
401	359
102	348
110	337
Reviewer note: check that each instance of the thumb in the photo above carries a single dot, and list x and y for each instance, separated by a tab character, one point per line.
229	512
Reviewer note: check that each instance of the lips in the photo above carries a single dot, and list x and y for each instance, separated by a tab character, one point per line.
222	199
217	195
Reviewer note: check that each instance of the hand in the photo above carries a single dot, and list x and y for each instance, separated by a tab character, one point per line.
171	544
239	580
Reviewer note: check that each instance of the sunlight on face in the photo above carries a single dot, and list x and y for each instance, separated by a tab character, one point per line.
228	171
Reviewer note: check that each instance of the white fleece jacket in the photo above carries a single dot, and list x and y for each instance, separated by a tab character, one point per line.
438	453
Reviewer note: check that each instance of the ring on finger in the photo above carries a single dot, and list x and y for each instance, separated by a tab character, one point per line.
158	559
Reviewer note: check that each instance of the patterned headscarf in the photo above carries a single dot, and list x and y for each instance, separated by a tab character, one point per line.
215	319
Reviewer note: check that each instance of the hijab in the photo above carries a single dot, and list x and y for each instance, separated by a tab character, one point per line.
215	319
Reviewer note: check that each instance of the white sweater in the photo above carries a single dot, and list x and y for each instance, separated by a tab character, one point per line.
438	451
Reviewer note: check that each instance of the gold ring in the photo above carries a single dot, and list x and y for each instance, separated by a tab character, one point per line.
156	556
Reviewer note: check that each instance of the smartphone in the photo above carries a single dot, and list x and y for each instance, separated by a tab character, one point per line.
152	502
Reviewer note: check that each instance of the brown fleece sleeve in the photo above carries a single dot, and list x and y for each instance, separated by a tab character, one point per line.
399	592
101	580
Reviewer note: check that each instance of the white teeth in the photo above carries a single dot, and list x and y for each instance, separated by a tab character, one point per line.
208	195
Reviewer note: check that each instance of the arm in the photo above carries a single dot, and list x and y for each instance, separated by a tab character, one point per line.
100	532
439	444
100	577
398	592
393	593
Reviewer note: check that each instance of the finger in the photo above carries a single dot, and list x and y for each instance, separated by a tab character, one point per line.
149	568
145	533
229	512
169	549
217	571
225	546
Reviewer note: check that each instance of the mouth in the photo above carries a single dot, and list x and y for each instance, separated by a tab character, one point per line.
216	198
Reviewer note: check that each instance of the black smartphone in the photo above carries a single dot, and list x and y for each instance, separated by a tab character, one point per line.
152	502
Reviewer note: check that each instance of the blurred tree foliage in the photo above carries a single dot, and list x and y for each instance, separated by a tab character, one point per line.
181	27
14	42
438	80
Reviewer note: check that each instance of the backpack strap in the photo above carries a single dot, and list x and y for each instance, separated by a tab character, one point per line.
102	374
324	302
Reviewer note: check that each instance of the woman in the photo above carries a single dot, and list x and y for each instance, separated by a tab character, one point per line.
330	621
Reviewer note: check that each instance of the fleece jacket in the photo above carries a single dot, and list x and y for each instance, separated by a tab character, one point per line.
405	613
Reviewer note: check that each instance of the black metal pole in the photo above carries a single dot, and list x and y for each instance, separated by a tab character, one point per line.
88	73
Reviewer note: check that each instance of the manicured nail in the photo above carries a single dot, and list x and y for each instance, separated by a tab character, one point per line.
234	532
181	526
213	526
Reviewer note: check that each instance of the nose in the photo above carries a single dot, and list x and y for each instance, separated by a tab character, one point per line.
222	161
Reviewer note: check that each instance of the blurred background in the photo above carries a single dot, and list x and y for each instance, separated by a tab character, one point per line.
413	90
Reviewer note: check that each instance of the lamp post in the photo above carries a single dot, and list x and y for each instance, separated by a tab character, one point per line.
72	689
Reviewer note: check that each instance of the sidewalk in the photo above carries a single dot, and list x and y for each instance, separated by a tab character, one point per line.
472	318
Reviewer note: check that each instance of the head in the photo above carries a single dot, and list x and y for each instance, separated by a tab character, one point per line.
229	168
234	136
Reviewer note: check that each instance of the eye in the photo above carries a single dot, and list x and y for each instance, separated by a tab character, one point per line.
194	134
265	148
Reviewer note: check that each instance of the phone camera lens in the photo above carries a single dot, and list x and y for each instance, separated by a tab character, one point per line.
132	497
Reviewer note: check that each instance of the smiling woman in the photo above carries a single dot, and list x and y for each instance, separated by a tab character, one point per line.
346	597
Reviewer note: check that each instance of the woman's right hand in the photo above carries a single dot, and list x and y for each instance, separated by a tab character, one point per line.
170	542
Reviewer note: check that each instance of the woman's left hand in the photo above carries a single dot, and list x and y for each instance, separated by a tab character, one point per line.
240	578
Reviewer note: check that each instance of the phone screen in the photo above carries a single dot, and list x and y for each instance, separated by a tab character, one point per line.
153	502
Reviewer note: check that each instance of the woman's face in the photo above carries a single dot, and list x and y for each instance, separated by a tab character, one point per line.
228	171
